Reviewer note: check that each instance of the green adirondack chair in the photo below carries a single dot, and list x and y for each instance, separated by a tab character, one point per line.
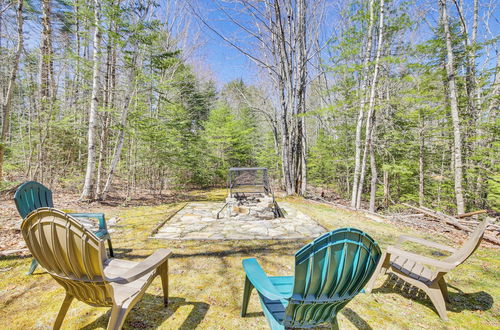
32	195
329	272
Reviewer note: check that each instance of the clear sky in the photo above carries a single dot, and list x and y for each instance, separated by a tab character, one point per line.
225	62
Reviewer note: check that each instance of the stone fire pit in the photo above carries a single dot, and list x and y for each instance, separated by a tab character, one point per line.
198	221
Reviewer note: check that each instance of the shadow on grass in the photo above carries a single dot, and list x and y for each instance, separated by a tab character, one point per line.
150	313
355	319
459	300
351	315
233	248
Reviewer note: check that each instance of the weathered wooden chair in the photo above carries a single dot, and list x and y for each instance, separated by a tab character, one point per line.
32	195
77	260
329	272
413	268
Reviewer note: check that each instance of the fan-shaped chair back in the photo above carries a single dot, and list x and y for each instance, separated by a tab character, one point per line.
70	253
30	196
329	272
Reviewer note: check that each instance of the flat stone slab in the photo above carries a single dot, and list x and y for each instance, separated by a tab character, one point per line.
197	221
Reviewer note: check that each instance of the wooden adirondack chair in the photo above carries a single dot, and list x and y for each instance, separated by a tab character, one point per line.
32	195
413	268
329	272
77	260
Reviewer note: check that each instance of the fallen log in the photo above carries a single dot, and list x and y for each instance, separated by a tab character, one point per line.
447	219
10	252
470	214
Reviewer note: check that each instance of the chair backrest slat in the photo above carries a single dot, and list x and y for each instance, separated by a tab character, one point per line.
69	252
30	196
329	272
470	245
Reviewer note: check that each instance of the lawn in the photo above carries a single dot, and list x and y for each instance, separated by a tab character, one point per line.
206	280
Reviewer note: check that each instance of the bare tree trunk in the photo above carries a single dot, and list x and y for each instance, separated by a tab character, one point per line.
373	183
370	121
301	81
121	135
89	174
421	160
45	92
7	103
282	29
109	104
452	89
386	188
362	100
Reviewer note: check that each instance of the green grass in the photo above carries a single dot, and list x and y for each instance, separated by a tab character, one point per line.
206	281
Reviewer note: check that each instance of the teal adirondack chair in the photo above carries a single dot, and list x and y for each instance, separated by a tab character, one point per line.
32	195
329	272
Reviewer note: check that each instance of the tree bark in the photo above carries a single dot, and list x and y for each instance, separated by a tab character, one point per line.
121	135
7	103
89	174
421	160
370	121
453	97
362	100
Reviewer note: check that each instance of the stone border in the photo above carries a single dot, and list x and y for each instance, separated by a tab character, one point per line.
168	217
294	234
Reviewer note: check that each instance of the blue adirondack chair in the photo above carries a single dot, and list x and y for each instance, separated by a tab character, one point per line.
32	195
329	272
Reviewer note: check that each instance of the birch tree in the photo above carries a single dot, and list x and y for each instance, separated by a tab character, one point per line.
370	121
91	143
453	99
362	101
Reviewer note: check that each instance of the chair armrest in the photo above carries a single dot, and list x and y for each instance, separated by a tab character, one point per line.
421	241
440	265
260	281
98	216
147	265
102	234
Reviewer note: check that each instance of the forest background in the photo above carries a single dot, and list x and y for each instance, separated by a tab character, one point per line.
373	101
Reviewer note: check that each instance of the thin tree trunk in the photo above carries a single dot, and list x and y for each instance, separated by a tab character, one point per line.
452	89
7	104
121	135
421	160
44	88
302	77
373	183
370	121
359	123
108	104
386	188
89	174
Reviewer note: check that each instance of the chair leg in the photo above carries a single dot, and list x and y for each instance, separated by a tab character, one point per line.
436	296
382	267
117	318
246	296
444	289
33	266
63	310
111	253
163	270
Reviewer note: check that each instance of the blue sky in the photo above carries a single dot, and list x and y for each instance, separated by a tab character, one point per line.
226	62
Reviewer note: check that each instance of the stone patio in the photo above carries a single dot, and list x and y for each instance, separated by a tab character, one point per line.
197	221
